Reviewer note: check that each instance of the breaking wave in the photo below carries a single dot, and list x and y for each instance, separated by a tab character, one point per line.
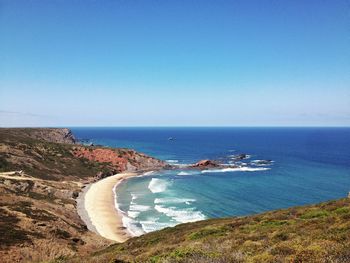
133	226
173	200
239	169
181	215
151	225
172	161
157	185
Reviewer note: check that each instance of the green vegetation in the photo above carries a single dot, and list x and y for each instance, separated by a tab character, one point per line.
43	159
43	211
318	233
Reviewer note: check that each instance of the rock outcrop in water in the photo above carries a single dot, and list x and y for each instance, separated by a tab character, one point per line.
205	164
240	157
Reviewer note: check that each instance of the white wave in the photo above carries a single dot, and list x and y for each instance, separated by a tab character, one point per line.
181	165
157	185
173	200
135	196
148	173
151	225
236	163
261	162
131	226
188	172
181	216
128	222
172	161
142	208
133	214
235	156
238	169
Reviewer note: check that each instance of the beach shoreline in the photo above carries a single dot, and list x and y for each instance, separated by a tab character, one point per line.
96	207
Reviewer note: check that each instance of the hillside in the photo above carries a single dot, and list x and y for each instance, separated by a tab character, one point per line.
53	155
42	171
317	233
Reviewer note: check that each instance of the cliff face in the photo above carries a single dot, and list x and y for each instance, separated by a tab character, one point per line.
41	174
118	160
58	135
52	154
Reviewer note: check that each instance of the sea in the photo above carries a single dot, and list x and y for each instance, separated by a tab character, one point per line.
300	166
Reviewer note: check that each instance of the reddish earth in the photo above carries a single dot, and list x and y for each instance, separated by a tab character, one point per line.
205	164
118	160
103	156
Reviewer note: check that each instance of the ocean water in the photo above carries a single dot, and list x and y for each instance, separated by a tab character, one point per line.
309	165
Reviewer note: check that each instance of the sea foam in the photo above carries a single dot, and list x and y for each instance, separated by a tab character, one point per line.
157	185
152	224
188	173
181	215
173	200
132	226
147	173
238	169
172	161
141	208
127	219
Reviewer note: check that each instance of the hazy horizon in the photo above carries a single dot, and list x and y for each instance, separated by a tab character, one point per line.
174	63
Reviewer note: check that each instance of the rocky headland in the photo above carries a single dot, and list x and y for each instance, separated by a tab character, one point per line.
42	172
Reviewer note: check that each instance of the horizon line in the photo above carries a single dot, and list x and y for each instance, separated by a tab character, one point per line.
180	126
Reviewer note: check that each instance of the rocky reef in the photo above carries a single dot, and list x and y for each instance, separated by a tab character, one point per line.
205	164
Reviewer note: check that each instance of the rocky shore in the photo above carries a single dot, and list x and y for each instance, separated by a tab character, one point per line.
42	172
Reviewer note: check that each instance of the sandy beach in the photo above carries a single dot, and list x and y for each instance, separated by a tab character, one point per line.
96	207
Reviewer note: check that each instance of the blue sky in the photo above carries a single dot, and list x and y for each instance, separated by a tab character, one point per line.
168	63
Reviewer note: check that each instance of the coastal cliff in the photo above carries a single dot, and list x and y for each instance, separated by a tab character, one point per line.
54	154
42	172
118	160
58	135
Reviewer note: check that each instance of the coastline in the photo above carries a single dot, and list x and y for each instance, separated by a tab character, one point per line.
96	207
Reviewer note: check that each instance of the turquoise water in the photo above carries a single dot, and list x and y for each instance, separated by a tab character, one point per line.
309	165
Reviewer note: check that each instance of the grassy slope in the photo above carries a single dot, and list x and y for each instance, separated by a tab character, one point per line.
42	159
34	221
318	233
38	216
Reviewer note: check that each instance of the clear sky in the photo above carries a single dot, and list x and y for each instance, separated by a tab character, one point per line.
166	63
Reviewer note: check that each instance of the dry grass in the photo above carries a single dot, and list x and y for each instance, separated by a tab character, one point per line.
319	233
